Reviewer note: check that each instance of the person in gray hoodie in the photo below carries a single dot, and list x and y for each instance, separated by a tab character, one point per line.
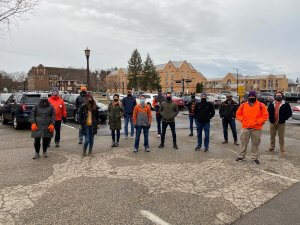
168	111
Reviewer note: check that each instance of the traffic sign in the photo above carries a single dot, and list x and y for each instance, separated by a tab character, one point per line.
241	90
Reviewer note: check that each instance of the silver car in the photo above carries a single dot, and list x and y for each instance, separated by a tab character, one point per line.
296	112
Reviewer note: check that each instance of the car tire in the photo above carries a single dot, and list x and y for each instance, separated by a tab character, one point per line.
16	125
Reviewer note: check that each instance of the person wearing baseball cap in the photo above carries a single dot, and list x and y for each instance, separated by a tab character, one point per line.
252	114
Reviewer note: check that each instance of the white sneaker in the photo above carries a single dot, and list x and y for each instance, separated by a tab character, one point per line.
158	136
125	137
131	137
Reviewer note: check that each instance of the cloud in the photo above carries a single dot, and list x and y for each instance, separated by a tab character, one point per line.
256	36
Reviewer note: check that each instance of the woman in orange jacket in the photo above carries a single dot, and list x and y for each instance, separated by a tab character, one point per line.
60	114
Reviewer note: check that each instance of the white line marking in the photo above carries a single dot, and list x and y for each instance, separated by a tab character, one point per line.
68	126
277	175
155	219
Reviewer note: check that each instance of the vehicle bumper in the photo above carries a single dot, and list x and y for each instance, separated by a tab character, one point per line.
296	116
23	118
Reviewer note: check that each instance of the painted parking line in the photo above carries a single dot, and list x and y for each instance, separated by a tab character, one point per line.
69	126
155	219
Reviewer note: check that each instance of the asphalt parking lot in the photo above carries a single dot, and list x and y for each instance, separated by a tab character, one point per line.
165	186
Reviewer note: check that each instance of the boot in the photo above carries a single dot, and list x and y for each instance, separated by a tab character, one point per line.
175	146
191	134
56	144
45	155
161	145
37	156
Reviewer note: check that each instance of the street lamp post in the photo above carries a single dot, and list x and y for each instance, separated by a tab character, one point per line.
123	87
237	83
87	52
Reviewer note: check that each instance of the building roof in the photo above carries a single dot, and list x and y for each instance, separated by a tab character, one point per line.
176	64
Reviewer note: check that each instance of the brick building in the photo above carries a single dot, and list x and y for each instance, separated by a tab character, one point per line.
64	79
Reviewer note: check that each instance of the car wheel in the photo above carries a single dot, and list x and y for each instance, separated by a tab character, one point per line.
16	124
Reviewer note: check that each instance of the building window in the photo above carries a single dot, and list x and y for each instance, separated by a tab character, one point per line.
228	81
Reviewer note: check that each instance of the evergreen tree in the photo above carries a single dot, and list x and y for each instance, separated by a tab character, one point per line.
135	68
150	79
199	87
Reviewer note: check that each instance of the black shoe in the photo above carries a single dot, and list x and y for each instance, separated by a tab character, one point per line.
236	143
191	135
135	150
198	148
147	149
225	142
256	161
161	146
238	159
113	145
175	146
56	144
206	150
45	155
117	144
80	142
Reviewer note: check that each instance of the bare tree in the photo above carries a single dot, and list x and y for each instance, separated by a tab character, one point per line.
12	10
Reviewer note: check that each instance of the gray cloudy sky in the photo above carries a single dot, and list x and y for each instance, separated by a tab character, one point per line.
257	36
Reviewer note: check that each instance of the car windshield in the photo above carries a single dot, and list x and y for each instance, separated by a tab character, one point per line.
4	97
147	96
31	99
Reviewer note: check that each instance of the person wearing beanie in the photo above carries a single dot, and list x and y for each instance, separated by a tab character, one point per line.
115	113
204	112
78	103
42	121
191	106
227	112
60	114
252	114
157	103
279	112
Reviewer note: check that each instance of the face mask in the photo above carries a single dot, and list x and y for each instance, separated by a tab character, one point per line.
142	101
116	100
193	98
169	98
203	100
252	100
278	98
84	92
229	99
129	95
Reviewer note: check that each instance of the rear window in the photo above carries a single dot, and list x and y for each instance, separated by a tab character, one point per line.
31	99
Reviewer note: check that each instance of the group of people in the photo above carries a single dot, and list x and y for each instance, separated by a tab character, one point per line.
49	114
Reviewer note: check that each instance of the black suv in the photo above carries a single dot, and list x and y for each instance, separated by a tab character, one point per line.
70	100
265	97
18	107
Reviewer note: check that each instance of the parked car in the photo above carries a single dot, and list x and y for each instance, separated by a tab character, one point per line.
178	101
121	96
149	99
3	99
214	99
265	97
70	99
18	107
296	112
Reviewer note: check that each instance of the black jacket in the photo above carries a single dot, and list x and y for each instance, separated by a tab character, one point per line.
83	114
79	101
204	112
285	112
227	111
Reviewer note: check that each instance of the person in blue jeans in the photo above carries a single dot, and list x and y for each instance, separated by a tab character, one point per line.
142	117
204	112
129	103
192	105
88	120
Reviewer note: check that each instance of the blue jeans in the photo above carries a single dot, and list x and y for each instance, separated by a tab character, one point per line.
232	125
127	119
138	135
158	121
192	118
88	138
200	127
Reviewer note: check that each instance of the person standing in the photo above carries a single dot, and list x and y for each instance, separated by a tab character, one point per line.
192	105
142	117
60	114
279	112
78	103
227	112
157	103
168	111
252	114
88	120
204	112
129	103
42	125
115	112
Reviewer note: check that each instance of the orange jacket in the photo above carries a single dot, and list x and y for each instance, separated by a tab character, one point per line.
142	115
59	107
254	116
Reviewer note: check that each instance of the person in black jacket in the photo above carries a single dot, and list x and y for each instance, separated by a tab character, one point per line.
78	103
88	120
279	112
191	105
227	112
204	112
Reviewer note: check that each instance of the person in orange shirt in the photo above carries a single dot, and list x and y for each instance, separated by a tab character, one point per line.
60	114
252	114
142	121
